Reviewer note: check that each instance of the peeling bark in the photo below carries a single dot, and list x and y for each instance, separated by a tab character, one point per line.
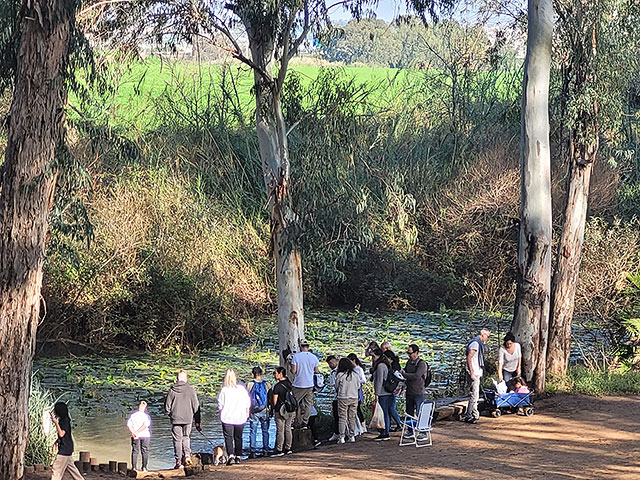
531	313
35	123
274	154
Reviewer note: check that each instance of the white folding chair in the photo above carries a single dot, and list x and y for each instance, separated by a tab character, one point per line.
419	427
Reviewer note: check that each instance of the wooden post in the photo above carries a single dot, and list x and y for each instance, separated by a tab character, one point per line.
113	466
86	466
94	464
78	464
85	456
103	467
302	440
122	467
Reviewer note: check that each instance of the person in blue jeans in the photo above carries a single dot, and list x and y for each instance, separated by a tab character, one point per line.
381	369
393	367
259	415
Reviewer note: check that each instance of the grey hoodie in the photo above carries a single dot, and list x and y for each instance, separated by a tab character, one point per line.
182	404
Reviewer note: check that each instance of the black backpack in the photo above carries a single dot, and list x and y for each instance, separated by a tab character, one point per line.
391	383
428	377
290	402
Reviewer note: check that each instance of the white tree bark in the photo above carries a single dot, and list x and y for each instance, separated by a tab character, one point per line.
274	154
531	313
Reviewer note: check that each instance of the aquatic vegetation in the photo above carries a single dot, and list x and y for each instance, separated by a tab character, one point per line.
113	383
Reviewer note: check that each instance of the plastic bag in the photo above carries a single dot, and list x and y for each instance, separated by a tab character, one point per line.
501	387
360	427
377	420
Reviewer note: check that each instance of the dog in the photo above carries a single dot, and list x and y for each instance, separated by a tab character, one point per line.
220	455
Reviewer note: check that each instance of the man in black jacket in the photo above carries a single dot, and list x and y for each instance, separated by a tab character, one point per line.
414	373
183	408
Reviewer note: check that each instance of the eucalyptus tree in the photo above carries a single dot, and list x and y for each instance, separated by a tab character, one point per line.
274	31
597	51
531	313
36	41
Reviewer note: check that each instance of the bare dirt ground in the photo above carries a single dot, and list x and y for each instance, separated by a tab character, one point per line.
569	437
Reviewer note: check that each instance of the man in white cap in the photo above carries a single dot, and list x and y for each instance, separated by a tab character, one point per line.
304	365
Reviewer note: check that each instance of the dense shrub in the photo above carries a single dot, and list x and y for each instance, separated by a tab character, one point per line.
403	203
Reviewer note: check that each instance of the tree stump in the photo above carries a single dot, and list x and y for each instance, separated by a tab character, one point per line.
85	456
103	467
302	440
123	467
113	466
86	466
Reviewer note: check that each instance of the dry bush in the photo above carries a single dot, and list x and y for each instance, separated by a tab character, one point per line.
167	266
611	252
471	226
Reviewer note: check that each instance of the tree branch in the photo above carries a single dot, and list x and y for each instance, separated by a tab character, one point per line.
236	52
103	3
284	61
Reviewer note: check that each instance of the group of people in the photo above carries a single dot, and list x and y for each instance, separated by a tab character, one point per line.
292	404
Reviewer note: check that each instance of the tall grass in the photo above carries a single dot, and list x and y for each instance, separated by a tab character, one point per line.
39	445
581	380
405	185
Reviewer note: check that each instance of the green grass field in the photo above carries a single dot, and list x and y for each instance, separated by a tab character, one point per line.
143	83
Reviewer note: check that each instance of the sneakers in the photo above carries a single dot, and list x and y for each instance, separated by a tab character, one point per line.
237	460
145	470
341	440
277	453
317	443
352	440
334	438
422	436
231	460
408	435
382	437
288	452
471	420
178	465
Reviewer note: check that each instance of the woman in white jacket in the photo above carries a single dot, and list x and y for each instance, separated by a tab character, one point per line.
234	405
347	387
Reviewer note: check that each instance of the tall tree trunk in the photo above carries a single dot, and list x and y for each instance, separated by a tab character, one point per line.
274	153
35	123
531	313
569	255
584	145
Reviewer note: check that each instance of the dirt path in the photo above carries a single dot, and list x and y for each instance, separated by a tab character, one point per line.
569	437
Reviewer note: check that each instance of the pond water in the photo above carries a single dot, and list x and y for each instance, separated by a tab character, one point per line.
103	390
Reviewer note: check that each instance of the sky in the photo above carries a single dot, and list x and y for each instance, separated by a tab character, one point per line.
390	9
386	10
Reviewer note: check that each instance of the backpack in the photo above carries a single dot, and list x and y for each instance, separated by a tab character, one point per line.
391	383
428	377
290	402
258	397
